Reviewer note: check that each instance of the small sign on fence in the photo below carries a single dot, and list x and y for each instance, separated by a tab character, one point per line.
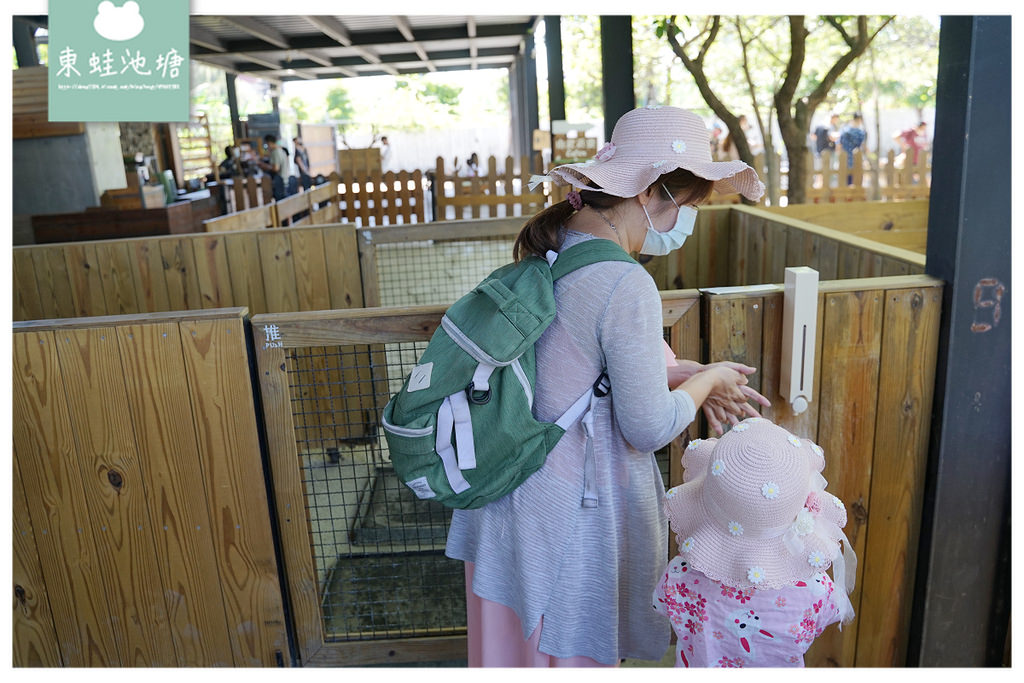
568	150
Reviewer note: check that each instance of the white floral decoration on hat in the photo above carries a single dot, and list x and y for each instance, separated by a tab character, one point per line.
658	164
654	106
817	559
687	545
804	523
678	146
735	528
793	440
606	152
741	427
770	490
755	575
671	492
817	449
835	501
717	467
694	445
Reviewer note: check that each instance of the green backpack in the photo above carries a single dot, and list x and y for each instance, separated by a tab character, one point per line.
461	431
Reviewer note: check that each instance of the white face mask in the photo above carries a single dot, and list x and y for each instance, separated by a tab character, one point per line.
660	243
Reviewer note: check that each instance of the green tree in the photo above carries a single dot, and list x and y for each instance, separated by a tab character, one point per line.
440	95
298	105
802	85
339	107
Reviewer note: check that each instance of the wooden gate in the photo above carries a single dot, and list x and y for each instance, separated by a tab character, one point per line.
364	557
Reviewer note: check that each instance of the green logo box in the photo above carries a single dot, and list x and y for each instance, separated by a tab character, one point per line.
120	60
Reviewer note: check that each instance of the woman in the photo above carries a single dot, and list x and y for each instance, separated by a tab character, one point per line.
550	581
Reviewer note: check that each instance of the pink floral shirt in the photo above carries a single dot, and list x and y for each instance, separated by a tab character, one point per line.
723	626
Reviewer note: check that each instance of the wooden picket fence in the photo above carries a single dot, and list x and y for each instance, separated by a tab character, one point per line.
364	199
140	511
375	198
504	193
829	179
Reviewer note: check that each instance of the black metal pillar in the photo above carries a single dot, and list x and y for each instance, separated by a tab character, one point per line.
25	43
961	602
236	124
523	98
556	79
616	69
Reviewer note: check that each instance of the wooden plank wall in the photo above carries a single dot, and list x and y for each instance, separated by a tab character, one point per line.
870	412
897	224
292	269
140	526
763	244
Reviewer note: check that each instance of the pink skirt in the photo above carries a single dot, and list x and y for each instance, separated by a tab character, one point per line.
495	636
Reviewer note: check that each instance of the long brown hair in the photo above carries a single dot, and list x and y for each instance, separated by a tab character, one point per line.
540	234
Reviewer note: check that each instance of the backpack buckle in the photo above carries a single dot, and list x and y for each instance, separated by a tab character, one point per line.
477	397
602	386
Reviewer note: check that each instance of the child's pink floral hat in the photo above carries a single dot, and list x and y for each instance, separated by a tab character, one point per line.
753	511
651	141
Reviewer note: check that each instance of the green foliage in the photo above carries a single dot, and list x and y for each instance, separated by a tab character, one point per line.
298	105
440	95
339	107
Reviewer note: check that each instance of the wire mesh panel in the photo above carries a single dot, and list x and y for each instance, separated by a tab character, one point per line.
429	272
378	550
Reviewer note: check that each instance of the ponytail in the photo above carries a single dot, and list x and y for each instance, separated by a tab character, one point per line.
540	234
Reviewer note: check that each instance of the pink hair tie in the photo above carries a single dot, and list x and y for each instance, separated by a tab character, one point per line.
575	200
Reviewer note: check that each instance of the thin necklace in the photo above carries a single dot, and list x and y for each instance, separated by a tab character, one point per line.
610	225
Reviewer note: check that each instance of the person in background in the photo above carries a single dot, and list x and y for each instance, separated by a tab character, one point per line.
385	154
825	136
275	165
231	165
912	140
729	151
302	163
473	166
851	138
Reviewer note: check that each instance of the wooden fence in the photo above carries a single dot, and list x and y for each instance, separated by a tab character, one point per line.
870	411
141	520
288	269
896	224
502	193
744	245
318	267
830	179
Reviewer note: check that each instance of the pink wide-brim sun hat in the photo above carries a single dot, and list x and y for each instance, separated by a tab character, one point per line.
649	142
742	495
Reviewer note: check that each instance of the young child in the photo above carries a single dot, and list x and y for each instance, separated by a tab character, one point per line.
756	532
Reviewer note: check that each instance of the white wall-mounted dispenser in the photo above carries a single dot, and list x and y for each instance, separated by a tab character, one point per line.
799	331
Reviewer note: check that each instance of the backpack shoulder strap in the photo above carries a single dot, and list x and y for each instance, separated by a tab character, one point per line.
585	253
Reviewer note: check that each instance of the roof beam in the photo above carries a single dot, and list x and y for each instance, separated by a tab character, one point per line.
272	66
471	34
259	29
200	36
402	22
333	28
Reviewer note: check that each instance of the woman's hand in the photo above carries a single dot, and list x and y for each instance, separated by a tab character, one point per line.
721	390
